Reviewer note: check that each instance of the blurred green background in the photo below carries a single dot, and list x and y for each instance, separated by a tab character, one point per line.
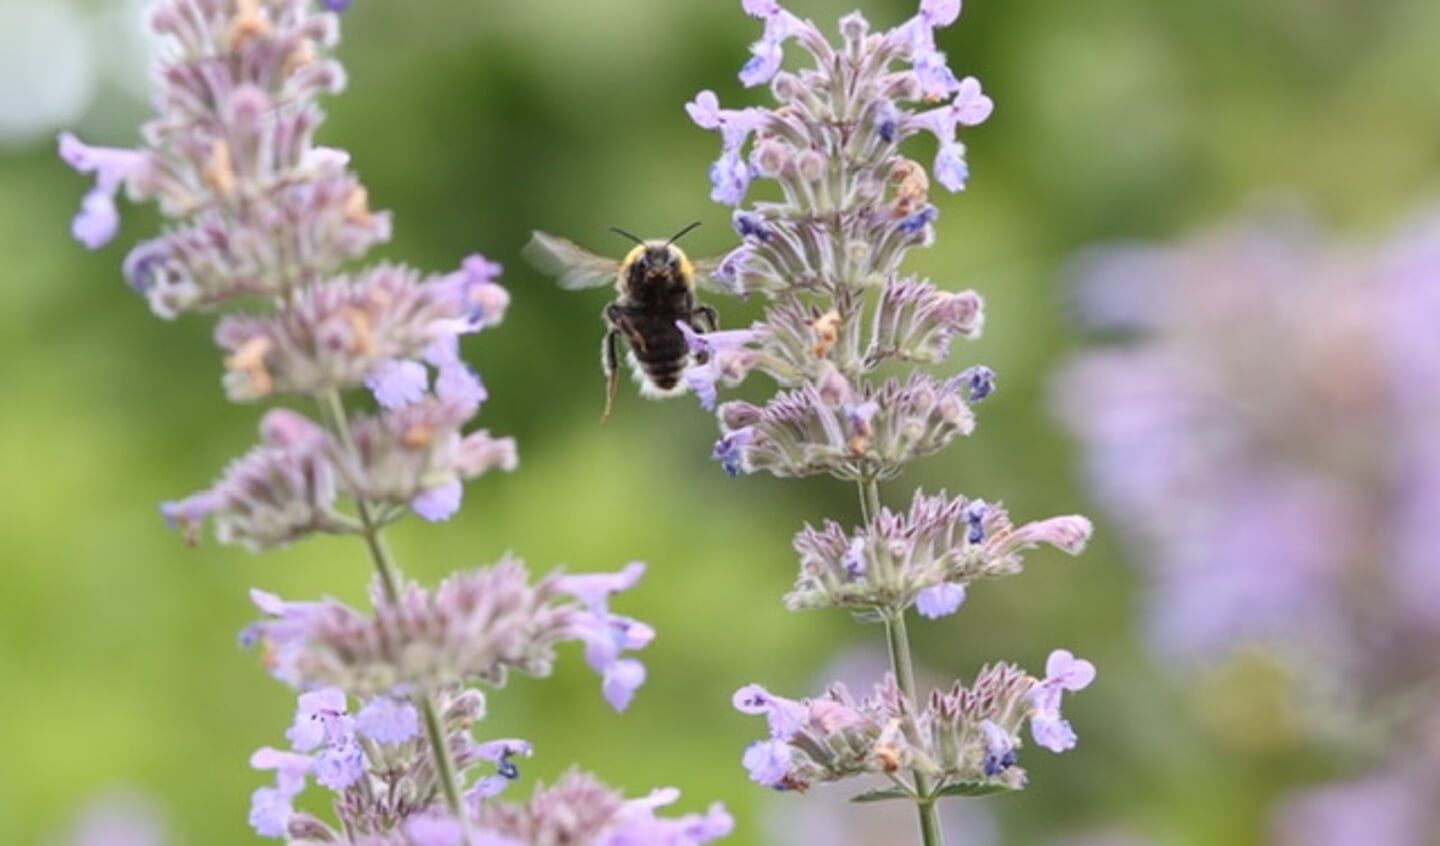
477	122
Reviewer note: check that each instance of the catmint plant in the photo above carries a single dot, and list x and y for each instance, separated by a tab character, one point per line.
262	224
826	253
1264	427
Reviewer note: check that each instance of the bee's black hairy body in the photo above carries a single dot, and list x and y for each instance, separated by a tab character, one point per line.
656	294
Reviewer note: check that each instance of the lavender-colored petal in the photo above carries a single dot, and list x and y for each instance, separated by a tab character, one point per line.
621	681
1000	752
595	589
459	384
951	170
1052	732
730	178
290	768
440	502
270	810
768	762
388	720
313	713
97	221
432	829
341	764
940	600
397	384
970	106
705	110
939	13
1071	673
764	64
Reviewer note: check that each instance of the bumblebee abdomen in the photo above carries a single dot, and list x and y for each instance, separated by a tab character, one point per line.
659	349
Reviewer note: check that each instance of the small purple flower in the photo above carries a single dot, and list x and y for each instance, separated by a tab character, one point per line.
919	220
396	384
975	514
979	381
730	450
951	169
727	359
750	225
337	5
501	751
607	635
1000	752
316	716
439	503
388	720
270	811
768	762
290	768
939	601
271	807
784	716
940	12
730	178
1063	671
769	51
113	167
854	560
432	829
320	718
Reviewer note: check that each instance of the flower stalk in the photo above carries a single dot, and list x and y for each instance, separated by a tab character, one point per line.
261	224
827	257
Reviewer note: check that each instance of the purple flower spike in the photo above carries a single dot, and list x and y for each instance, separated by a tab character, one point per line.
1063	671
338	5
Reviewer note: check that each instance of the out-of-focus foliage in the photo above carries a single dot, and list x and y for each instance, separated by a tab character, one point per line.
476	122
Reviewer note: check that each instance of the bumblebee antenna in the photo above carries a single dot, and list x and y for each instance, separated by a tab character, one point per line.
618	231
677	235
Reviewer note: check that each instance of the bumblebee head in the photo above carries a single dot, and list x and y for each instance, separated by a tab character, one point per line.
656	263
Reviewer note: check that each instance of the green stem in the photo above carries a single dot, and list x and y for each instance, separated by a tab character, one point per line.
898	639
389	573
899	642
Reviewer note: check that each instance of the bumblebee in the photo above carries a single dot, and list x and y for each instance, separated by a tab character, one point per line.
655	283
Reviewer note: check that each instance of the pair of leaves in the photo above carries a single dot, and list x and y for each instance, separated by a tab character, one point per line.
974	787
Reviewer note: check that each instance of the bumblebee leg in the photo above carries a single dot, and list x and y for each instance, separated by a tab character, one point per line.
705	318
610	359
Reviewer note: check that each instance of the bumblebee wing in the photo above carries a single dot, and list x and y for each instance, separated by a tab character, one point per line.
572	265
705	274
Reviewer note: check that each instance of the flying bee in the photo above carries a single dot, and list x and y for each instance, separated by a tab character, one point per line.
655	283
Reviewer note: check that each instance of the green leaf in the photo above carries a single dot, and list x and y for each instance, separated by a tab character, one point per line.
881	794
972	788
